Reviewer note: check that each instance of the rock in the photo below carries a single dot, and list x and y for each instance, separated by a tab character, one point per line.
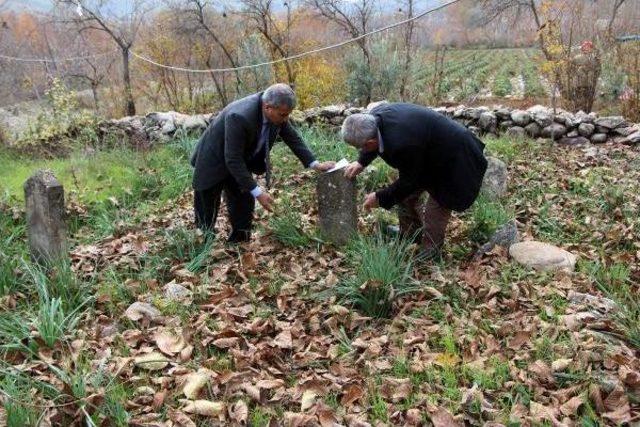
599	138
140	310
459	111
626	131
337	208
566	119
192	123
168	127
45	211
634	138
352	110
475	130
516	132
505	236
503	113
159	118
554	131
533	130
582	117
475	113
331	111
573	134
611	122
495	179
488	122
586	129
520	118
542	256
176	292
337	120
541	115
503	126
576	140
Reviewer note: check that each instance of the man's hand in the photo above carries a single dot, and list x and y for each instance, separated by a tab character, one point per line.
370	202
353	170
324	166
266	201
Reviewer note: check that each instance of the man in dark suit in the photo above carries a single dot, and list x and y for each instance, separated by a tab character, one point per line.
237	145
432	153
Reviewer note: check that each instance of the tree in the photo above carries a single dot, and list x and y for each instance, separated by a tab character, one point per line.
200	16
354	17
560	25
93	70
122	28
407	5
276	33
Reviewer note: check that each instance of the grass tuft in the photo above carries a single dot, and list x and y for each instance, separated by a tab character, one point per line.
382	272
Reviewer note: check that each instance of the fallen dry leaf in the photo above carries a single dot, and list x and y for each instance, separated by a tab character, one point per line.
308	399
351	393
153	361
169	343
194	384
443	418
141	310
205	408
239	412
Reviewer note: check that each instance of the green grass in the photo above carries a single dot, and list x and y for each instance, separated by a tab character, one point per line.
486	217
382	272
615	283
18	411
286	225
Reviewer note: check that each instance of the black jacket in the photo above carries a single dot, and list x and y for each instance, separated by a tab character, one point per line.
227	146
431	152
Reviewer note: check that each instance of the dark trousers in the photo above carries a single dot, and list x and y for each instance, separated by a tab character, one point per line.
240	206
426	221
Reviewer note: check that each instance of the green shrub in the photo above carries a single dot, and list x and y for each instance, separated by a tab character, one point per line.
61	126
382	272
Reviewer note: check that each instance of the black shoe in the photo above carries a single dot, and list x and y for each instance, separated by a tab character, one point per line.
240	236
426	255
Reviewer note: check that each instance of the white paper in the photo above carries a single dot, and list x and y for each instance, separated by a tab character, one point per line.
340	165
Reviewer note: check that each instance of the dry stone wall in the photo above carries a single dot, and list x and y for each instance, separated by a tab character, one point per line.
536	122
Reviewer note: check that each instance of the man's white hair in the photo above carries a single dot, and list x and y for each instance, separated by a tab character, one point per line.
279	95
359	128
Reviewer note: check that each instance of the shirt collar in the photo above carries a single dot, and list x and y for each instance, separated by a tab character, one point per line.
380	143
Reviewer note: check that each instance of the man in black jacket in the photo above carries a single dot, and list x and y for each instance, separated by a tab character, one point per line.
237	145
432	153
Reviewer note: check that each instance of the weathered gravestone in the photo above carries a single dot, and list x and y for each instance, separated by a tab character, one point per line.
47	232
337	207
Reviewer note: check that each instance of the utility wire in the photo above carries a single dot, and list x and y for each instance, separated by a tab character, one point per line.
299	55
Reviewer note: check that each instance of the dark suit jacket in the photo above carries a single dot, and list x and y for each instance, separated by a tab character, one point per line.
227	146
431	152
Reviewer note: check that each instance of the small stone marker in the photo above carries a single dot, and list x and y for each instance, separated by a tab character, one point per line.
494	184
337	207
47	231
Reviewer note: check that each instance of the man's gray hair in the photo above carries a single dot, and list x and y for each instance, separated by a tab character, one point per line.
279	95
359	128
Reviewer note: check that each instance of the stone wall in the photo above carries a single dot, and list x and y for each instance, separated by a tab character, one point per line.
535	122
